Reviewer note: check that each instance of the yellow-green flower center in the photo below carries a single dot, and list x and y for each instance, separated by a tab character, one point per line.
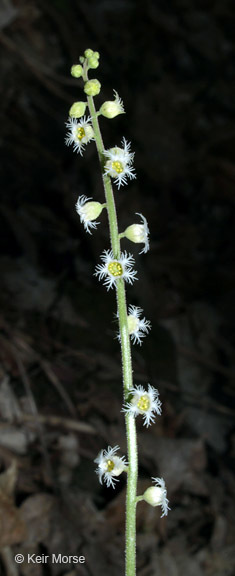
80	133
115	268
117	167
144	403
110	465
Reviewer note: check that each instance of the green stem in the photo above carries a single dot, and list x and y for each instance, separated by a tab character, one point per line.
125	351
111	209
139	498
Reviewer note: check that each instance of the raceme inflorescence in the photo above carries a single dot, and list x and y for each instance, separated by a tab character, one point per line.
116	271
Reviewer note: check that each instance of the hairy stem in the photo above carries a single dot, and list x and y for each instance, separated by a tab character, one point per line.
125	351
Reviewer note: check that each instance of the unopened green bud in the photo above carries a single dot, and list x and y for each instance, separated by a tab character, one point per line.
88	212
97	55
77	110
112	108
139	233
92	210
88	53
93	62
135	233
82	59
77	71
153	496
92	87
157	496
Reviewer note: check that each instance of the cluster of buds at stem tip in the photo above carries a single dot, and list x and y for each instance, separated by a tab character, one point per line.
90	59
117	163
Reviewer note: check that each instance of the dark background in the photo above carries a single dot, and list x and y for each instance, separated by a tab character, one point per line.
172	63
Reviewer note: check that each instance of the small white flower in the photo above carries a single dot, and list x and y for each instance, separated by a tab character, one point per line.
139	233
138	327
79	133
110	466
118	164
113	269
145	403
88	211
157	495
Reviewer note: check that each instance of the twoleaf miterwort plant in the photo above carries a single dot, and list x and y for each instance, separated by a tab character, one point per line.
117	269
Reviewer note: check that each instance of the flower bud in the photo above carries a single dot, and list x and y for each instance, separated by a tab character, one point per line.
88	53
112	108
135	233
97	55
88	211
92	87
77	110
77	71
157	496
93	62
153	496
82	59
139	233
91	210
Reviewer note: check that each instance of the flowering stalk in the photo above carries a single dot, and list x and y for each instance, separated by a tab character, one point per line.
125	351
115	269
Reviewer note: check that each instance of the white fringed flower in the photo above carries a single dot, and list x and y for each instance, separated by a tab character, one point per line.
113	269
88	211
145	403
138	327
110	466
118	164
139	233
79	133
157	495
